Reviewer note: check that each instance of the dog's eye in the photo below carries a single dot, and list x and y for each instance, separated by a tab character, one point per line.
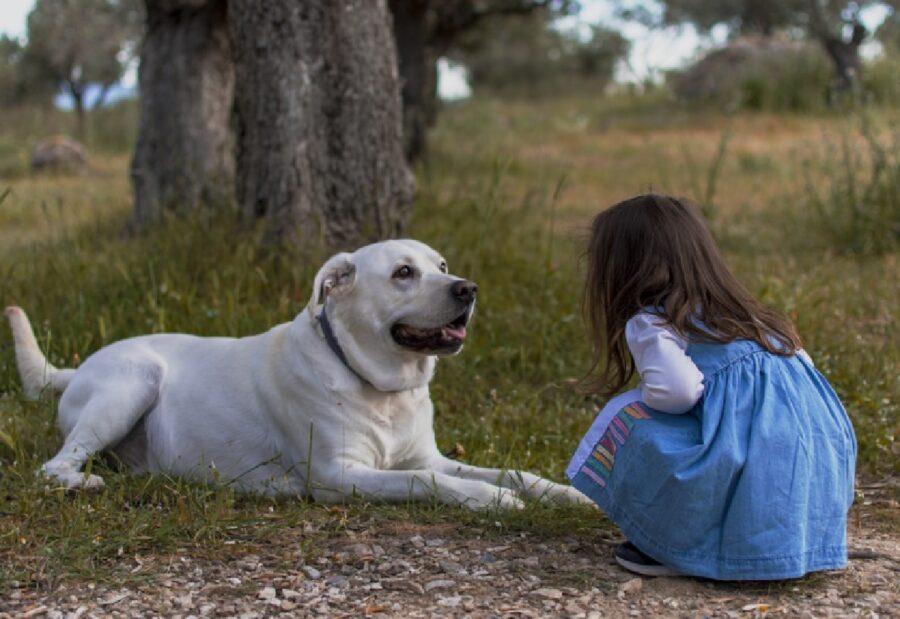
443	266
403	272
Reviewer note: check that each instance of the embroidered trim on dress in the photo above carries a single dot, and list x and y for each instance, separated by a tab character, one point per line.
599	464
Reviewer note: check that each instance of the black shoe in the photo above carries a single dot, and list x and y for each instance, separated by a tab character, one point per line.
633	560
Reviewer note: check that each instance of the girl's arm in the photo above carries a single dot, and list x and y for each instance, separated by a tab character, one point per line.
670	382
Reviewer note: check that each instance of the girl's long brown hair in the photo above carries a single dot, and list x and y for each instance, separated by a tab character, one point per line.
654	251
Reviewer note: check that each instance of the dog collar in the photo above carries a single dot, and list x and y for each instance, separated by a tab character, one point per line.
333	344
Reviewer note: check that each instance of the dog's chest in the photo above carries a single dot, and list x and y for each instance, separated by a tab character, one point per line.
400	425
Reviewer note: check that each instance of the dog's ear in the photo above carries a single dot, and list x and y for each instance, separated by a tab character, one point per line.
336	275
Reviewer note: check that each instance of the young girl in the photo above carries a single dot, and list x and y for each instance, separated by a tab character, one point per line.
733	458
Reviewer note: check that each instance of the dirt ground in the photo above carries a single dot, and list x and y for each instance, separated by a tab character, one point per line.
407	570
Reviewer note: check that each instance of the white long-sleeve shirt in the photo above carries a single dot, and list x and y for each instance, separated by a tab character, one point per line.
670	381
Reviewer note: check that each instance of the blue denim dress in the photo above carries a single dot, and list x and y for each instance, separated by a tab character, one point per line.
753	483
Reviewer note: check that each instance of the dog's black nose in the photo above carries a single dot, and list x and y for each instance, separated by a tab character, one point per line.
464	290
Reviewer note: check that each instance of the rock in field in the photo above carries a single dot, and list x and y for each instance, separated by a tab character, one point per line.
58	152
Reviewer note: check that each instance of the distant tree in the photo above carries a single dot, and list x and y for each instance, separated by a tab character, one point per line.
76	43
835	24
528	54
426	30
10	71
889	32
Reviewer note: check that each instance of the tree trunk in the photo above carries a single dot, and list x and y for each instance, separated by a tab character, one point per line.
845	57
844	54
101	96
319	129
76	91
184	152
416	64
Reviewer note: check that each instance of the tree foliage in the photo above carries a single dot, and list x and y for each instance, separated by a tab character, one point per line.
527	53
835	24
10	74
75	43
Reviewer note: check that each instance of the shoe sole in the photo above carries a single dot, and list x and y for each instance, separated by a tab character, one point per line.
646	570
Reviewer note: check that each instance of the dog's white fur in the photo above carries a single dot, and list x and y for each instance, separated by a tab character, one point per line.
279	412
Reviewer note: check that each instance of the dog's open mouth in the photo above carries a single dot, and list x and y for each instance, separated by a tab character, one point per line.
448	338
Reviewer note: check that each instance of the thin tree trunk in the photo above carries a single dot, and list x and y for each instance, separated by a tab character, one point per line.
77	93
410	33
101	97
844	54
184	153
319	134
845	57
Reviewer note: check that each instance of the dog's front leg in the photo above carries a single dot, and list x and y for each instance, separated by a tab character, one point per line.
342	480
527	483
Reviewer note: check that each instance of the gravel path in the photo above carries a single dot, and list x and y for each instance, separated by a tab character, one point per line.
417	571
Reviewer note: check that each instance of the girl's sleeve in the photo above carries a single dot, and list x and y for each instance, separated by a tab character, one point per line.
670	382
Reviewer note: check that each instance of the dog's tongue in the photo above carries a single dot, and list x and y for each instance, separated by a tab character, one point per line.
457	333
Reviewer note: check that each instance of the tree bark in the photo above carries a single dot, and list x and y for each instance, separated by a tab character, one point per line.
184	152
844	54
319	128
845	57
76	91
417	73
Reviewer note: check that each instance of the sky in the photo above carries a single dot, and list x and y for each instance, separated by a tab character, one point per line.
652	51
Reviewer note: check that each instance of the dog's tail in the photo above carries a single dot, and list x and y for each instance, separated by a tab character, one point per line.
36	372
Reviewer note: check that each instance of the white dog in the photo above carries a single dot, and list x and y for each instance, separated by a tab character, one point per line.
331	405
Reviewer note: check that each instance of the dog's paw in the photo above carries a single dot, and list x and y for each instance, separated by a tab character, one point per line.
567	495
492	497
73	480
507	499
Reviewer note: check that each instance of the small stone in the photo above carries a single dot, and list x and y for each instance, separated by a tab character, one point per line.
114	598
451	601
439	584
631	586
548	593
290	594
287	605
267	593
311	572
451	567
236	582
338	581
574	609
185	601
360	551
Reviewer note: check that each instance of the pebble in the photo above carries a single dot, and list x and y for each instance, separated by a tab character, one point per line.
439	584
548	593
631	586
267	593
360	551
311	572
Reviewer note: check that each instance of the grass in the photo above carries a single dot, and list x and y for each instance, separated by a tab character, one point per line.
506	197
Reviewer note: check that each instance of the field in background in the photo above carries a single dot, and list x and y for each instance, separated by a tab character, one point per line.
506	196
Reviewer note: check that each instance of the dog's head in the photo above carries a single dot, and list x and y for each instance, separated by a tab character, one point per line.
393	307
